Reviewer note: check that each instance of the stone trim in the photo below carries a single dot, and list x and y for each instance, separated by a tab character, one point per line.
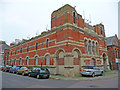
62	26
68	55
68	67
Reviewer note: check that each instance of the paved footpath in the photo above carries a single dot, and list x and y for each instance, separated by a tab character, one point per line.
84	78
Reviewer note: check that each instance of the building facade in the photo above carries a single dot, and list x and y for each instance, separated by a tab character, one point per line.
6	56
3	48
113	47
70	44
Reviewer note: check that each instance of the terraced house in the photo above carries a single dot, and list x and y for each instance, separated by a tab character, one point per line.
113	47
70	44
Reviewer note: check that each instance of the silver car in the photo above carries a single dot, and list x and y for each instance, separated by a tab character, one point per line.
91	71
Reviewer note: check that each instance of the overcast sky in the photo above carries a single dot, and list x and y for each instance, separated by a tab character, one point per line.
24	18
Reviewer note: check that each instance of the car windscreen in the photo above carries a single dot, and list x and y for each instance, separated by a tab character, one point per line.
44	70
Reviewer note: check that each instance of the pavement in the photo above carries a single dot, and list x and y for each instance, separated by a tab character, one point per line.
84	78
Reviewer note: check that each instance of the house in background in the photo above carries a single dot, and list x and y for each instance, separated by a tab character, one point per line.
3	48
113	47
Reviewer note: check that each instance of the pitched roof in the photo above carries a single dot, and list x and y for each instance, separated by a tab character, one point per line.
110	40
5	46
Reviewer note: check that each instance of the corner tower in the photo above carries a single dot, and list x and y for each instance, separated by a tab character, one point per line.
66	14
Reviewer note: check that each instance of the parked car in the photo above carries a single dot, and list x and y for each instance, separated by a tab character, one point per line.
14	69
91	71
24	70
2	67
7	68
39	72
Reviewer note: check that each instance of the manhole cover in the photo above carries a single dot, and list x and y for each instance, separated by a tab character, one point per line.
93	86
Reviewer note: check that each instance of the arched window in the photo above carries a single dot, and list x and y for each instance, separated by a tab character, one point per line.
101	28
93	62
11	52
15	51
36	45
20	50
27	48
15	62
93	48
20	61
47	60
11	62
89	47
97	48
86	46
47	42
36	60
27	60
74	17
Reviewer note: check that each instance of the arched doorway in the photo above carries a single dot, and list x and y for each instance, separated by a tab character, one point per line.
47	60
93	62
76	57
105	61
59	59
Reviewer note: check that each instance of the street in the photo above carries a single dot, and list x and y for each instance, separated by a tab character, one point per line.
10	80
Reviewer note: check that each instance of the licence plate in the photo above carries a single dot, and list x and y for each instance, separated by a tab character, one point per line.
45	75
84	70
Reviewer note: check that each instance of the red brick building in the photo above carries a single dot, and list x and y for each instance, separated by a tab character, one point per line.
113	48
70	44
6	56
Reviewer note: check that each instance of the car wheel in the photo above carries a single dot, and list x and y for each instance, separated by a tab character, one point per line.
82	74
29	75
101	74
93	75
38	76
47	77
23	74
17	72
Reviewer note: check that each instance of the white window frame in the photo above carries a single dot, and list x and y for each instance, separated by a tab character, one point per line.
36	60
20	61
47	60
27	60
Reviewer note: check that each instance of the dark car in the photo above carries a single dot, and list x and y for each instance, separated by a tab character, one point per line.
7	68
14	69
2	67
39	72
